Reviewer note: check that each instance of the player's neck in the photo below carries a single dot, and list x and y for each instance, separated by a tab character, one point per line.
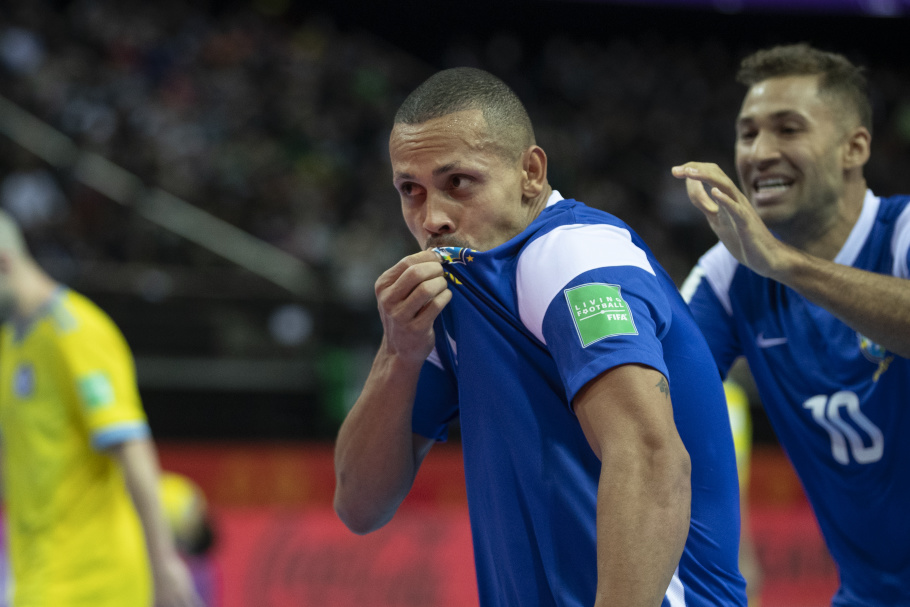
35	290
825	238
539	203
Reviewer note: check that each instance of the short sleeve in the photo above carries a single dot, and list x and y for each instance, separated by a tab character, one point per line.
712	314
102	370
604	318
436	402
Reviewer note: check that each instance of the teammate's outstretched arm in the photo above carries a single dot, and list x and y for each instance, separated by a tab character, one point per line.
876	305
376	454
644	495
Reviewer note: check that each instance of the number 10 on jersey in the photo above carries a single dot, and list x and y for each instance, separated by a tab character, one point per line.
845	438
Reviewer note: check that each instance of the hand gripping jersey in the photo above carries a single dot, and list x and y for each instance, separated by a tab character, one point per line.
839	403
531	322
67	390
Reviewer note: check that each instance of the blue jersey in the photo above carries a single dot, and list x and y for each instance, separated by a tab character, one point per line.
531	322
839	403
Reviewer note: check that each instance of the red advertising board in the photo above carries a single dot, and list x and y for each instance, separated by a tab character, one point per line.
280	543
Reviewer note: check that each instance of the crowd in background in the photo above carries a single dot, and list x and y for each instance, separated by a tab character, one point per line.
278	124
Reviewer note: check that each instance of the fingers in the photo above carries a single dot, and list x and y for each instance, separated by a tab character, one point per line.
699	197
708	172
723	189
392	274
415	286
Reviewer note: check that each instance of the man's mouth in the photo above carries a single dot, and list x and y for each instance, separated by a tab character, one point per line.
770	187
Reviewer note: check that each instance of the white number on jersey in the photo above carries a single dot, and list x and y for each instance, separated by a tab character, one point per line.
844	437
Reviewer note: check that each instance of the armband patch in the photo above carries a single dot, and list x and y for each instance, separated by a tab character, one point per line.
95	390
599	311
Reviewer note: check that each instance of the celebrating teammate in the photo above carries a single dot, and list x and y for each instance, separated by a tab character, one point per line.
598	455
80	473
809	283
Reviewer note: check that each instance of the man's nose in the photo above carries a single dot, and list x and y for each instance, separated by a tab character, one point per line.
437	219
765	148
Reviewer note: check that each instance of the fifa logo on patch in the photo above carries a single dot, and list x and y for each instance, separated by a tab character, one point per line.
24	380
871	350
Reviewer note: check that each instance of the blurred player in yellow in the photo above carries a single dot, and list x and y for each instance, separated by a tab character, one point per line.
85	525
741	424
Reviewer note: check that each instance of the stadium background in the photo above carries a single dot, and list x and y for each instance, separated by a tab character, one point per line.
215	176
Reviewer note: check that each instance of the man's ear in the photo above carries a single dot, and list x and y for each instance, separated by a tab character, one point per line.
857	148
534	172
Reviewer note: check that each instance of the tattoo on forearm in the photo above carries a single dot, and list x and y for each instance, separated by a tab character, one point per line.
664	386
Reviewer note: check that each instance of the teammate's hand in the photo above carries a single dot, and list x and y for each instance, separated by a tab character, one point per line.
410	295
174	585
732	217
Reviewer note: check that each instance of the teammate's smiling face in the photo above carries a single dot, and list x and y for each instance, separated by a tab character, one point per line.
789	151
458	186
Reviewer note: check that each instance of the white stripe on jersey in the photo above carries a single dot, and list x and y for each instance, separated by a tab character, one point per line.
434	359
860	232
900	244
549	263
676	593
718	266
691	283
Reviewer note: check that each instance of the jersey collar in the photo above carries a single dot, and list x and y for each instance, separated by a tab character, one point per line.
555	197
860	232
22	326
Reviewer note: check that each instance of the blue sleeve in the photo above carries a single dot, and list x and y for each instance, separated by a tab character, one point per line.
716	324
436	403
605	318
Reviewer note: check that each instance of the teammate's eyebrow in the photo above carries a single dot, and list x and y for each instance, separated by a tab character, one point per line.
779	115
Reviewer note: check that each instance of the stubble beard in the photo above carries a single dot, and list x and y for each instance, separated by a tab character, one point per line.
448	240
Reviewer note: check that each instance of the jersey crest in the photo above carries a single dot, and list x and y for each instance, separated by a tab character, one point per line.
453	255
24	380
871	350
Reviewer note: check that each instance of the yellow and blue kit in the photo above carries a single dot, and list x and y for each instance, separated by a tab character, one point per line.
67	392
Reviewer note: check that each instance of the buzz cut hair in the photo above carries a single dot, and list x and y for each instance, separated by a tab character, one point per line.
467	88
839	79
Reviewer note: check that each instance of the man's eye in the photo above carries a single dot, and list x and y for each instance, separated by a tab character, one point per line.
458	181
746	135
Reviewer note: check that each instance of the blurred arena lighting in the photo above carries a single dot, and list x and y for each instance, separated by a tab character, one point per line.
291	325
160	207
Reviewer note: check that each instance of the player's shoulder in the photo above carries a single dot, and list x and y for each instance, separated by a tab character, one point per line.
893	217
717	267
893	206
75	314
575	236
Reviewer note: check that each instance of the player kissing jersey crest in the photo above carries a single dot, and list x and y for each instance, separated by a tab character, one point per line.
450	255
453	255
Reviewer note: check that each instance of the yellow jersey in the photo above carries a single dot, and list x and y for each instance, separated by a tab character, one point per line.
68	391
741	425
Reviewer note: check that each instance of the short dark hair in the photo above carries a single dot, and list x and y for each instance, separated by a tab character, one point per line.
467	88
838	76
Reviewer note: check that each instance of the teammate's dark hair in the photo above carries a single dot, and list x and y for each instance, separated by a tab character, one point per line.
839	78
